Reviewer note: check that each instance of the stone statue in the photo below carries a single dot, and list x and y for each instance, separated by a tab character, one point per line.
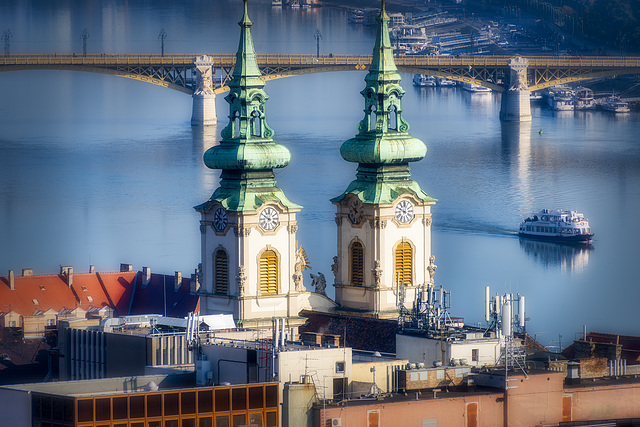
334	268
319	283
297	274
241	279
431	268
377	274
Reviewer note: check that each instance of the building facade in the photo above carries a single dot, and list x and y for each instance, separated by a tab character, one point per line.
383	218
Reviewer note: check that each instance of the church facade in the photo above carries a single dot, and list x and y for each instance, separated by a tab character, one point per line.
252	264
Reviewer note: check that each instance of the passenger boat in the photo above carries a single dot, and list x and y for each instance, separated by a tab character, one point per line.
470	87
615	105
557	226
583	99
442	82
560	99
423	80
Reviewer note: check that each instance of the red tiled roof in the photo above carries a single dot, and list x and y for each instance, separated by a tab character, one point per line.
150	299
122	291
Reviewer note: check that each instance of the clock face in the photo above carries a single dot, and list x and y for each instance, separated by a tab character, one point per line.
404	211
355	211
269	219
220	219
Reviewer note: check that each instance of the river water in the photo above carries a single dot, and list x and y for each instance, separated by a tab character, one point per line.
99	170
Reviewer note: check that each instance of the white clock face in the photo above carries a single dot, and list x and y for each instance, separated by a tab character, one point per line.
220	219
269	219
404	211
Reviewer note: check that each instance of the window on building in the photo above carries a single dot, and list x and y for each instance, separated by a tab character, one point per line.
357	264
404	262
35	301
475	354
373	118
393	117
89	298
221	277
257	131
12	323
42	288
339	367
268	273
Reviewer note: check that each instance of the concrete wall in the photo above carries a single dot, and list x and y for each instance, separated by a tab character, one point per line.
318	364
425	350
297	405
15	408
443	411
617	400
361	372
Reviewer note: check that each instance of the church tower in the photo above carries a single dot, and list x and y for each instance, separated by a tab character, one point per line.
383	217
248	226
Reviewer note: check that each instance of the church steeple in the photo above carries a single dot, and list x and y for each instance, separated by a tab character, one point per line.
383	147
383	218
247	153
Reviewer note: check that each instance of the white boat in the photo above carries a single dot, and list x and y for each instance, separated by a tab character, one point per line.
535	96
295	4
276	2
442	82
615	105
557	226
560	98
583	99
470	87
423	80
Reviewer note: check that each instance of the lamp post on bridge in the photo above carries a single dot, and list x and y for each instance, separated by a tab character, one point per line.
162	36
6	36
318	36
84	37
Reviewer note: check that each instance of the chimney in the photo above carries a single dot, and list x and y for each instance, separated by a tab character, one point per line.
27	272
146	276
12	283
67	273
125	267
195	280
178	282
92	269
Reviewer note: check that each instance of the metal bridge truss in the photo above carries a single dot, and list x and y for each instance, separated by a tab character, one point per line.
178	71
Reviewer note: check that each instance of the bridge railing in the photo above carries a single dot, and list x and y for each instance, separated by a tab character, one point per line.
228	60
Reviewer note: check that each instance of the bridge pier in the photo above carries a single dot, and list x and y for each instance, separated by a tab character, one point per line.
516	104
203	112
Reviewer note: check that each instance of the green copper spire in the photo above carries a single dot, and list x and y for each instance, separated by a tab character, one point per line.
383	147
247	154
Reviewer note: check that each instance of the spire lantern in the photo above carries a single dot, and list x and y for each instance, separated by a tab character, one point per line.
247	153
383	147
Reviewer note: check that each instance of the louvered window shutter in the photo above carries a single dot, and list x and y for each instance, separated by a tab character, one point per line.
357	264
404	262
222	273
268	273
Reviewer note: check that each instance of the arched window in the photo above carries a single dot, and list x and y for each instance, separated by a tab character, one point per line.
357	264
268	273
393	117
257	131
373	118
221	272
403	263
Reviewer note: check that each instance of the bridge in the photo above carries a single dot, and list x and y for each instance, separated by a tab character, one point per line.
204	76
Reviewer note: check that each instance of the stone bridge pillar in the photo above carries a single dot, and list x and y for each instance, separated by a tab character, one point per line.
204	99
516	105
